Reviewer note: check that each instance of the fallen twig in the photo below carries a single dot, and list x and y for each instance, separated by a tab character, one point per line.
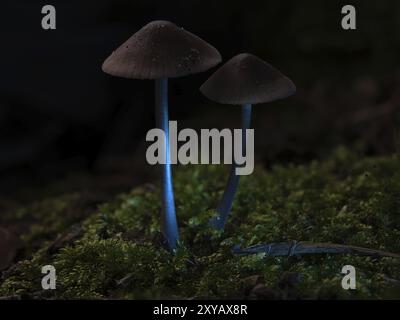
295	248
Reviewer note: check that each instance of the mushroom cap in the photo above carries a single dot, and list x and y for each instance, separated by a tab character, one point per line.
161	50
246	79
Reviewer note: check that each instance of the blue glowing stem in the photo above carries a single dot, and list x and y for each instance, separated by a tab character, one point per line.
225	206
170	225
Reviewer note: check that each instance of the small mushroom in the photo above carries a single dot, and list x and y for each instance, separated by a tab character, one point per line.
161	50
244	80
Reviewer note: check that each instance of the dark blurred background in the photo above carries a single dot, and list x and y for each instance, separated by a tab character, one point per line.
62	117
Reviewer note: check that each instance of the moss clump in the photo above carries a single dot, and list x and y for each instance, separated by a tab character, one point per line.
42	221
346	200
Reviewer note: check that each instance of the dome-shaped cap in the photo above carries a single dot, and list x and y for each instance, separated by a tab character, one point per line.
247	79
161	50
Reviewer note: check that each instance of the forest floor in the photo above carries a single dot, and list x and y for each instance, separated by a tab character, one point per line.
113	248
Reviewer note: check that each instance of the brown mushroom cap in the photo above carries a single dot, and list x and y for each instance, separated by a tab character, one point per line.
246	79
161	50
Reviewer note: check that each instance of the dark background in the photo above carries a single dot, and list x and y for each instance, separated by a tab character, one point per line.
63	119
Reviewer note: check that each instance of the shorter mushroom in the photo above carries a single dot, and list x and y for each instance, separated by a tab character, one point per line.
244	80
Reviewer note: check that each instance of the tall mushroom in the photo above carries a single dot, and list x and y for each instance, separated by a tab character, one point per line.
161	50
244	80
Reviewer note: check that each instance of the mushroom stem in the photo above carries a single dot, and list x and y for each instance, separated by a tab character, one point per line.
170	226
225	206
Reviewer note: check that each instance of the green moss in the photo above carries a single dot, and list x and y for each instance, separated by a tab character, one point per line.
346	199
42	221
